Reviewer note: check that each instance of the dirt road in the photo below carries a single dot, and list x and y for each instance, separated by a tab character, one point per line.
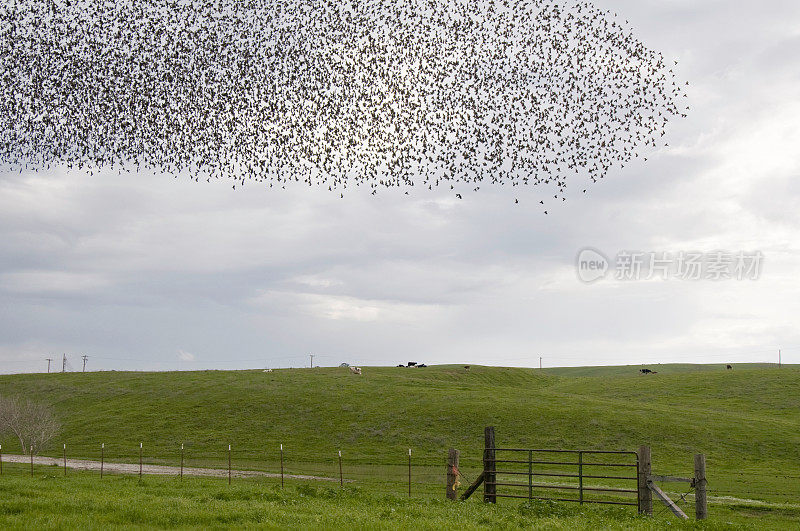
160	470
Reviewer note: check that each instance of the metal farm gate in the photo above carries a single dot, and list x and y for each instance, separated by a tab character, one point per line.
613	477
563	475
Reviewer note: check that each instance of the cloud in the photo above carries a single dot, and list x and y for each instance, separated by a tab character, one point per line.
345	308
88	262
315	281
51	282
185	356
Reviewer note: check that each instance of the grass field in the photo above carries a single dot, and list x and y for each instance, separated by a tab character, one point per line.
747	422
50	501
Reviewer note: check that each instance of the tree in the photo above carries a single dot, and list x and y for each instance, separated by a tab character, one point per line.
33	423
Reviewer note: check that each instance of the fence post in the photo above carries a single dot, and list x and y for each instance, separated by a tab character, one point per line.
102	457
530	475
229	464
65	459
341	477
452	468
31	460
181	461
409	472
700	484
643	473
489	467
580	477
140	462
1	459
281	465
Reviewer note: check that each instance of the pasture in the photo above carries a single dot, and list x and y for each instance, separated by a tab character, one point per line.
746	421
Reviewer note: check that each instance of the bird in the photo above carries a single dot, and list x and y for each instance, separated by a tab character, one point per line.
377	93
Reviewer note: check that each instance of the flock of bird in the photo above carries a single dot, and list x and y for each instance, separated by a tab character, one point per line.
375	93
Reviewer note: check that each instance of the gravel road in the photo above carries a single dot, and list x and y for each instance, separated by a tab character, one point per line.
160	470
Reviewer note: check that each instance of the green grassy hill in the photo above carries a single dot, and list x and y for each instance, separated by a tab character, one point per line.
747	420
669	368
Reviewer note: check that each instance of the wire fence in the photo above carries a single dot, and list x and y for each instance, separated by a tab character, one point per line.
407	472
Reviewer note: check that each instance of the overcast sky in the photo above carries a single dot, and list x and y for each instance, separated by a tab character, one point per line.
154	273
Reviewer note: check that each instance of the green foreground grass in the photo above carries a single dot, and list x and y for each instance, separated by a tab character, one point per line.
51	501
746	421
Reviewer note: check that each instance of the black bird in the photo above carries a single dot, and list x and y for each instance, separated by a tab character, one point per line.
377	93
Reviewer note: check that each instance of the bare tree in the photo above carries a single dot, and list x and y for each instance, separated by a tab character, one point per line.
33	423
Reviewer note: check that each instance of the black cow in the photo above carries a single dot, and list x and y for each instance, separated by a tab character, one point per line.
645	371
728	367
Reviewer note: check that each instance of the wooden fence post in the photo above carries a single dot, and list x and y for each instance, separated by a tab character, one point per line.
102	458
341	476
489	466
281	465
31	461
229	464
530	475
140	462
1	459
580	477
65	459
700	483
452	476
409	472
181	461
643	473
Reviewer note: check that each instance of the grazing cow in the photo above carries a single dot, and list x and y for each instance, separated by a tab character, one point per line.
412	363
645	371
355	370
728	367
401	365
466	367
267	370
421	365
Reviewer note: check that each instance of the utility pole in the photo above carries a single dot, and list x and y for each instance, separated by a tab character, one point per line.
48	364
84	362
540	362
779	358
64	363
312	360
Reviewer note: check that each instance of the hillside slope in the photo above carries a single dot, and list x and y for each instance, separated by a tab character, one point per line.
746	421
